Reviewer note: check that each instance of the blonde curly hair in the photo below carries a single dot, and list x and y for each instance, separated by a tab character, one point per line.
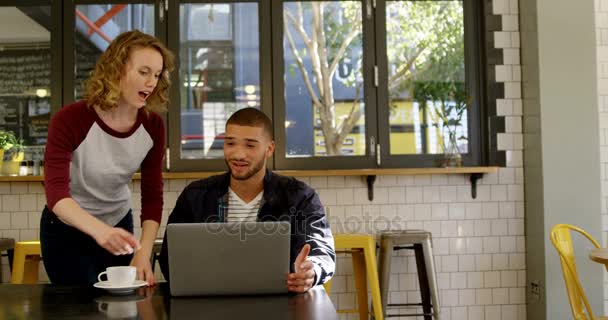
102	88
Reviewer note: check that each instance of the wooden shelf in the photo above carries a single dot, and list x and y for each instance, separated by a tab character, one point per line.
475	174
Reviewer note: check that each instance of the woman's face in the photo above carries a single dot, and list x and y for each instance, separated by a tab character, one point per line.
141	75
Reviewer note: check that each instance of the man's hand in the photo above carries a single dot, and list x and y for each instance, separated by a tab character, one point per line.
304	277
144	269
117	241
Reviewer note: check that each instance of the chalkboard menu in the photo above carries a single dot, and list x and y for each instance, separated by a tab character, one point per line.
25	79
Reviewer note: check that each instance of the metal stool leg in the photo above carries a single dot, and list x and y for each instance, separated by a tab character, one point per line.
360	283
427	249
386	257
425	294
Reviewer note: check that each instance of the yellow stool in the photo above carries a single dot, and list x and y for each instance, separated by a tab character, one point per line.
26	262
363	249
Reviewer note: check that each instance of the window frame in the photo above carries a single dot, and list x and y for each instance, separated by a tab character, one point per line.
218	164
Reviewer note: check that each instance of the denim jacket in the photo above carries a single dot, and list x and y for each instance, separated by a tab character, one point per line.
285	199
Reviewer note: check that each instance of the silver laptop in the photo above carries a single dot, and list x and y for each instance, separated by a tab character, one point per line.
228	258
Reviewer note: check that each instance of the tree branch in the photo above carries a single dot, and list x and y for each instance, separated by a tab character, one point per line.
300	63
340	54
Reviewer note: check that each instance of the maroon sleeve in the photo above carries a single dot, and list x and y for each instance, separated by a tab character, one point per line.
66	131
151	171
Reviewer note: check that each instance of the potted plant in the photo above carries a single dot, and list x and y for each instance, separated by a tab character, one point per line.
449	103
11	151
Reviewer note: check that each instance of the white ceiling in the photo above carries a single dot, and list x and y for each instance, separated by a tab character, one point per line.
17	27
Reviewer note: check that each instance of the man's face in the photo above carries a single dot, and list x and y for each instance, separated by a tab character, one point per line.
246	150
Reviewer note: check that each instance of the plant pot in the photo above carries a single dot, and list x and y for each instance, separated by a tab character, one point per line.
11	164
451	154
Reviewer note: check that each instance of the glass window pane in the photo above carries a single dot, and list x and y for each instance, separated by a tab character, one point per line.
322	45
426	76
97	25
219	72
25	61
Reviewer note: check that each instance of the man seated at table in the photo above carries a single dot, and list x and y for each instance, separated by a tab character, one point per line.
250	192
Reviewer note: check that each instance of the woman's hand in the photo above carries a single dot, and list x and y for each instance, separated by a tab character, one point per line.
141	261
117	240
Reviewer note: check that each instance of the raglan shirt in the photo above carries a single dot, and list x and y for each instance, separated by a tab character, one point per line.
90	162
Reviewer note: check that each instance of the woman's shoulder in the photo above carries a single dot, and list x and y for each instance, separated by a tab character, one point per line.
75	111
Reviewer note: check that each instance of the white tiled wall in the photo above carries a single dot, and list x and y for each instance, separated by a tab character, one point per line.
601	23
478	243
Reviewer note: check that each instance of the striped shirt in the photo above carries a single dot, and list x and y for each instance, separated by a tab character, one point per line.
239	211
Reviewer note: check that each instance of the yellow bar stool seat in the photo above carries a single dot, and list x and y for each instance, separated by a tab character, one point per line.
26	262
365	269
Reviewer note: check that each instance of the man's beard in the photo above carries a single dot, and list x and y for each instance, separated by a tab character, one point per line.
255	168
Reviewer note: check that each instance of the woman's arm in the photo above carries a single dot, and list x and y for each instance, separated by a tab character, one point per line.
141	259
115	240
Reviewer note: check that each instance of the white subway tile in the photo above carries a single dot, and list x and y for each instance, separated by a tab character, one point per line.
422	212
483	262
489	210
396	195
503	73
475	280
491	245
408	281
508	279
517	107
521	278
422	180
361	196
439	211
476	312
508	244
521	244
449	263
500	296
460	312
456	211
405	212
29	235
431	194
467	298
516	227
504	107
41	201
338	181
474	245
33	219
500	261
517	69
508	312
499	193
19	187
493	312
515	43
355	182
27	202
10	203
5	220
448	193
502	39
500	7
406	180
413	194
511	57
466	263
441	246
500	227
473	211
458	246
449	229
35	187
483	227
449	298
517	261
489	178
5	187
318	182
434	227
483	296
439	179
328	196
344	196
514	9
504	141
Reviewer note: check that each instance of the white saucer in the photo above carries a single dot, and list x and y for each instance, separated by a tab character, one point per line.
120	289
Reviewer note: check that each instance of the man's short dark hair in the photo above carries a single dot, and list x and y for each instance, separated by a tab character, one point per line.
251	117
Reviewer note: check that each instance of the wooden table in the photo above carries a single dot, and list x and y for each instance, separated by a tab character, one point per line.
599	255
68	302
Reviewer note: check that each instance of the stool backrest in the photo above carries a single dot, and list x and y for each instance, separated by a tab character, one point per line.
562	241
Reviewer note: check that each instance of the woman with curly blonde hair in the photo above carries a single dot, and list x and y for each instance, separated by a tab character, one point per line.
94	147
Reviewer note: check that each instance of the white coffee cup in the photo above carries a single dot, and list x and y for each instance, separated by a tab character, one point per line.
119	276
123	309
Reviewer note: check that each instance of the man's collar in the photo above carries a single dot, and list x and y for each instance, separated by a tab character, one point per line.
269	185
